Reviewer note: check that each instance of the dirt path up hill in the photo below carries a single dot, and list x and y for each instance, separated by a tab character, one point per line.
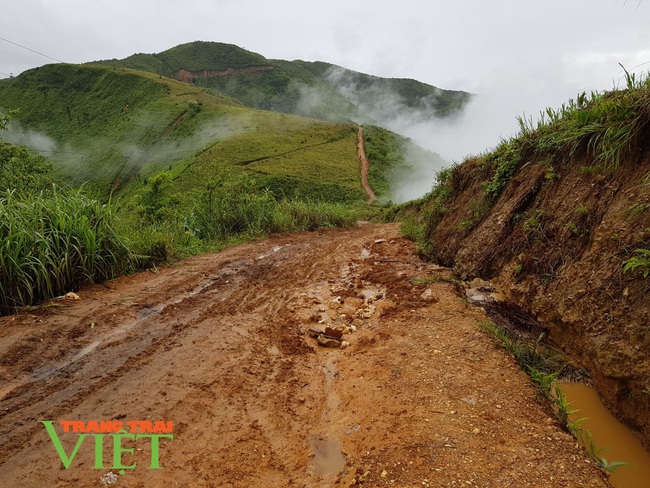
365	167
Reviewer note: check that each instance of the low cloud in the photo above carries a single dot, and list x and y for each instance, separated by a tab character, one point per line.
82	162
37	141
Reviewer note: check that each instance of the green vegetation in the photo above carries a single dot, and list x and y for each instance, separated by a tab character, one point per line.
641	262
180	171
179	128
51	242
19	168
384	151
296	87
411	229
530	356
606	128
240	208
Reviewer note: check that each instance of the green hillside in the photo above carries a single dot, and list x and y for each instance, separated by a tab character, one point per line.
315	89
167	169
113	126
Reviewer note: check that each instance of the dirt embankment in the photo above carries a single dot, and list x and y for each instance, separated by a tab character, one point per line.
365	167
220	346
555	242
187	76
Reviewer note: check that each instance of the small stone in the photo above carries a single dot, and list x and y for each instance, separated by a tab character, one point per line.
427	295
316	330
384	473
328	341
353	328
332	332
344	344
72	296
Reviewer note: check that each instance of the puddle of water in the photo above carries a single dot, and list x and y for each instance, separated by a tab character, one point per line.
370	292
145	312
48	370
477	296
328	458
618	443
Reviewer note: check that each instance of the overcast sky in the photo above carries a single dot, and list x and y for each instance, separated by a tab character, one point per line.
519	55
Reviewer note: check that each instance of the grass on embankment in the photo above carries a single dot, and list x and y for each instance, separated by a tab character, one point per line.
601	131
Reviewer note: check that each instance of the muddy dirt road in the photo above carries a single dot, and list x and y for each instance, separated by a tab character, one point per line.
220	345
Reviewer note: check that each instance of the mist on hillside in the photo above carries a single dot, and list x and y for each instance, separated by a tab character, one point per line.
383	107
489	117
417	178
77	159
36	141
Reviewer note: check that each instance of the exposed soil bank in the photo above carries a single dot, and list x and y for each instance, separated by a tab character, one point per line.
189	76
219	345
554	243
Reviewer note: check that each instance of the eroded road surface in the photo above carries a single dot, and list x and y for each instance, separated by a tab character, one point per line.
222	346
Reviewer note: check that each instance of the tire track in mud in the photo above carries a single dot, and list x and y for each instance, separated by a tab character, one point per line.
219	344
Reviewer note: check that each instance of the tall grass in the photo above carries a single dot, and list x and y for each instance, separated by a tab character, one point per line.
51	242
606	127
232	213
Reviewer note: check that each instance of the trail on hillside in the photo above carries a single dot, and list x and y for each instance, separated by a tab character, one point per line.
221	345
365	167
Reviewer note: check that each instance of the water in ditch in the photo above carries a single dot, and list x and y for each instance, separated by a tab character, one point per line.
612	440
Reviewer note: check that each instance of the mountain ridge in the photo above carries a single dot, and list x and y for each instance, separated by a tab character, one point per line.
286	86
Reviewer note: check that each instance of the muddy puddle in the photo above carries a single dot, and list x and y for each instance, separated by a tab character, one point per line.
328	458
613	440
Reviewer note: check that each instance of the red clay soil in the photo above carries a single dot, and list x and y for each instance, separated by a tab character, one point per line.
555	246
189	76
220	345
365	167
